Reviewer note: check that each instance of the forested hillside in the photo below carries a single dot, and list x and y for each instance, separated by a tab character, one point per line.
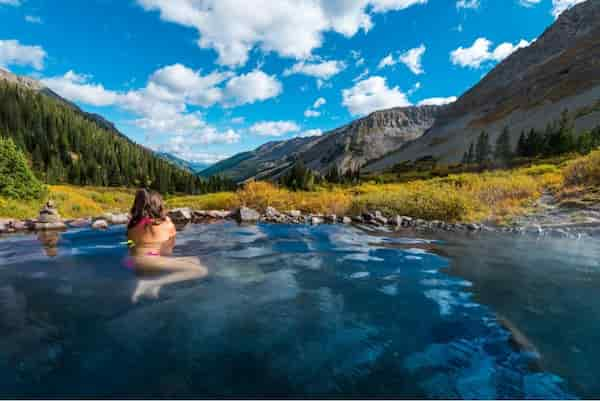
66	146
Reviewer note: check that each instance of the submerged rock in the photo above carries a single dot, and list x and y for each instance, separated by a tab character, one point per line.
246	215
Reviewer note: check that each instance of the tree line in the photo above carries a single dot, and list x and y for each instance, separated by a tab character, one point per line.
302	178
558	138
66	146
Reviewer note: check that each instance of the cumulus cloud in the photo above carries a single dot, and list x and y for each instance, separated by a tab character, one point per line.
162	105
290	28
559	6
410	58
312	112
14	53
437	101
323	71
252	87
387	61
76	87
529	3
481	52
372	94
472	4
274	128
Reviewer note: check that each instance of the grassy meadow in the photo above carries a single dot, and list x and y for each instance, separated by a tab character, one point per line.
493	196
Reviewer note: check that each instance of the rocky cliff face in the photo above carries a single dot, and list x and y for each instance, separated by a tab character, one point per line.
560	70
348	147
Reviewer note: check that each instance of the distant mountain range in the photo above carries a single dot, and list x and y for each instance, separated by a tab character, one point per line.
193	167
529	89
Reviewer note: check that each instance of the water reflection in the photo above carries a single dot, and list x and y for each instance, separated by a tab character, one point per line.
49	241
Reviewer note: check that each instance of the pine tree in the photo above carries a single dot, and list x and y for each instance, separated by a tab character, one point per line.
483	149
503	151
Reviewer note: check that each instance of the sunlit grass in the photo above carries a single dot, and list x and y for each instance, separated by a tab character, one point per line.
495	196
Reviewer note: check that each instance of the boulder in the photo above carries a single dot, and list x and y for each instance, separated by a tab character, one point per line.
358	219
180	215
380	218
79	223
296	214
100	225
4	226
346	220
271	212
47	226
534	229
218	214
19	225
246	215
116	218
331	218
316	220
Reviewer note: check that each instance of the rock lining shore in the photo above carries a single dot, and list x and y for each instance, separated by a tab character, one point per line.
373	220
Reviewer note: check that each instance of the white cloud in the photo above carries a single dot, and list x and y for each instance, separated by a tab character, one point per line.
183	83
14	53
361	76
161	106
559	6
319	102
274	128
238	120
412	59
472	4
33	19
437	101
14	3
75	87
313	112
252	87
372	94
290	28
480	53
323	71
311	133
529	3
387	61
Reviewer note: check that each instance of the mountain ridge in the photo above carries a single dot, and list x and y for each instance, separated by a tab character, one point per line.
528	89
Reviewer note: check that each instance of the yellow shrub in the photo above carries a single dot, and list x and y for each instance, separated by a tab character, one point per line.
584	170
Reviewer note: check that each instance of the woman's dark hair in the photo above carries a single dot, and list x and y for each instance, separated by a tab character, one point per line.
147	204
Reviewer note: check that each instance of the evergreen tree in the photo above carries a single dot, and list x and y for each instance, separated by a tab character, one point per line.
503	151
483	149
16	178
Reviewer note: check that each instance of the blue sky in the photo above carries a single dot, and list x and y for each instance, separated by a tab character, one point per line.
205	79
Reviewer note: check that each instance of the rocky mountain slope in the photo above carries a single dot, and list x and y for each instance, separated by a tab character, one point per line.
529	89
348	147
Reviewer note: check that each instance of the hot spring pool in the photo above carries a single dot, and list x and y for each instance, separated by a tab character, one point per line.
298	311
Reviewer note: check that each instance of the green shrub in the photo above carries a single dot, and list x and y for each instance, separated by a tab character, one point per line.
17	181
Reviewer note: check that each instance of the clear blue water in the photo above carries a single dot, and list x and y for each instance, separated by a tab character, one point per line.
297	311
